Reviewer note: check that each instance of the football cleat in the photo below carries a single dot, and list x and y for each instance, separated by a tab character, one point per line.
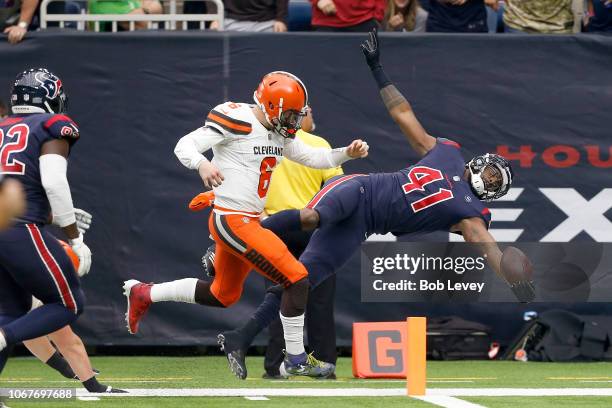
236	357
96	372
138	296
111	390
306	365
208	261
268	376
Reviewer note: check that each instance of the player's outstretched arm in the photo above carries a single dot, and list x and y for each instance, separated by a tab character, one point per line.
53	167
399	108
474	230
321	157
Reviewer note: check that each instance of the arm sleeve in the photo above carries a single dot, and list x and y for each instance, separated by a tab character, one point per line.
190	147
53	178
315	157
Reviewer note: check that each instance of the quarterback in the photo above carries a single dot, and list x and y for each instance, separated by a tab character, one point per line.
248	142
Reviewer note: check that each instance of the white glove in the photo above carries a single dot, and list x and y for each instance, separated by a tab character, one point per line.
84	254
83	220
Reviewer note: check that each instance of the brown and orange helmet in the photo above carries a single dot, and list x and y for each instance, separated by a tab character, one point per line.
284	99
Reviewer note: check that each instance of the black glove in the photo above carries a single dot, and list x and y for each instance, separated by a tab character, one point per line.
524	291
371	50
372	53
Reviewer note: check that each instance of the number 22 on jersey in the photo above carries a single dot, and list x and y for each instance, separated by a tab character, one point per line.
267	166
18	134
419	177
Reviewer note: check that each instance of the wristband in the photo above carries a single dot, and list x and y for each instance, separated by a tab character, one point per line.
381	77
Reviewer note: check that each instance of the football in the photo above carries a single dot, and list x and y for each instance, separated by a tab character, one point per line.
73	257
515	265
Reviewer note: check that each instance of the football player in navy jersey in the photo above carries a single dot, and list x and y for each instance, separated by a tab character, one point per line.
438	193
35	142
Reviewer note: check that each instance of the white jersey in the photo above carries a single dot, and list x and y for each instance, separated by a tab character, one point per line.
246	153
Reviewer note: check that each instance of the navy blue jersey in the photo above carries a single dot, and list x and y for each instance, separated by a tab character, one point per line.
21	139
430	196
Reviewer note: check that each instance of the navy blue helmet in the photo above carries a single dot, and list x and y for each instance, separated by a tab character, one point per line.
38	90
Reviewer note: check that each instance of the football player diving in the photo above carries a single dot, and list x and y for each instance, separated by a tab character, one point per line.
441	192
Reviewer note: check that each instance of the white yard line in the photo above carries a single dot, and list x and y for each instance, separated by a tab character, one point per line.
257	398
449	402
355	392
521	392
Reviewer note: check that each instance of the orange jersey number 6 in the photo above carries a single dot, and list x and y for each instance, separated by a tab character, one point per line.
267	165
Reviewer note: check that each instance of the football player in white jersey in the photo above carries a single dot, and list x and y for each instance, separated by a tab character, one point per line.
248	141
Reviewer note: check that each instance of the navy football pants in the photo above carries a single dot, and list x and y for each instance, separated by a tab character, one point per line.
32	262
344	215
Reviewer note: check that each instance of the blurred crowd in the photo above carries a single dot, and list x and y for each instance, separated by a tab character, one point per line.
17	17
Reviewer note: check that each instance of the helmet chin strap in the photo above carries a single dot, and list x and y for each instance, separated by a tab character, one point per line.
49	107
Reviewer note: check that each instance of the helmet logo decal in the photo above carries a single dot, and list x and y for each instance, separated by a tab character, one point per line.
50	83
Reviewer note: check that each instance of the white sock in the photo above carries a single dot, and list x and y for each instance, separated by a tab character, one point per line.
182	290
294	333
2	341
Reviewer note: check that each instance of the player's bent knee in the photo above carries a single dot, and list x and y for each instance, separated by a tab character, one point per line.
309	219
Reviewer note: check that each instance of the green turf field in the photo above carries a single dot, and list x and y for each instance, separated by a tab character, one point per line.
450	384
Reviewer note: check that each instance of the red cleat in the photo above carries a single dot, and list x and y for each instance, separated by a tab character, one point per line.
138	302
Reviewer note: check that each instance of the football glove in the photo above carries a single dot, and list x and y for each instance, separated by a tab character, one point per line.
83	220
202	200
83	252
371	50
524	291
